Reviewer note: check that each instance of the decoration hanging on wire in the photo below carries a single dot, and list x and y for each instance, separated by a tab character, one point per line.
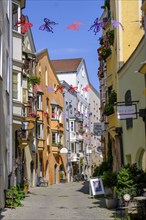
72	89
116	24
97	26
74	26
47	25
23	24
60	88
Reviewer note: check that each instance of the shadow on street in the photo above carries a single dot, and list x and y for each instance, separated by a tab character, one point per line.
85	187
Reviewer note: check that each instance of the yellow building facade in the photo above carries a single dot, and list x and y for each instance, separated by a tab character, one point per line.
117	46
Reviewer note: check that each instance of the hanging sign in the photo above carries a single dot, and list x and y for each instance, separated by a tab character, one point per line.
98	129
126	111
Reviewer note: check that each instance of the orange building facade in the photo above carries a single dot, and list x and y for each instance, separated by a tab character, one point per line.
50	125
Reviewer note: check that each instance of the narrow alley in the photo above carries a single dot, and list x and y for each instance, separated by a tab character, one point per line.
62	201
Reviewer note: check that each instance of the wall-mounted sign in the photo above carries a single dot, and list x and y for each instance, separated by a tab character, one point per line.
126	111
98	129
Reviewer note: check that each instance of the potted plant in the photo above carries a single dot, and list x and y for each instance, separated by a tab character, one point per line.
26	185
110	36
109	179
108	109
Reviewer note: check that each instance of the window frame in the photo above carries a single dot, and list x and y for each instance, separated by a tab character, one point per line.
41	132
16	29
18	86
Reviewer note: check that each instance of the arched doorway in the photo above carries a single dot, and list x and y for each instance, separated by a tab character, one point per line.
32	173
55	174
47	171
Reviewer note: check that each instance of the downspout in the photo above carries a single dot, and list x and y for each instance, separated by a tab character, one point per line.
11	173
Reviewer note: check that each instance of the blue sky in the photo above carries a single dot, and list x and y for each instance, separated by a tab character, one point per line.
63	43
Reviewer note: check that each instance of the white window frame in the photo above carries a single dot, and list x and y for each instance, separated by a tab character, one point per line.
19	87
46	76
60	116
56	138
72	128
1	51
40	133
19	14
82	108
39	101
79	106
55	111
48	135
7	72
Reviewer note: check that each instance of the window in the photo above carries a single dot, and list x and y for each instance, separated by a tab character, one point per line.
86	112
15	85
81	89
40	69
72	126
46	76
129	121
40	131
48	132
1	47
54	137
82	108
7	72
83	72
8	8
79	106
60	117
55	86
15	15
54	112
72	147
78	85
47	105
39	102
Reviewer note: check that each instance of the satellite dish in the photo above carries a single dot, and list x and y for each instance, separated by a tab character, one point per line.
64	150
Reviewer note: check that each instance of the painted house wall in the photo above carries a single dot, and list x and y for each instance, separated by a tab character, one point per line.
70	78
5	100
50	153
94	118
134	142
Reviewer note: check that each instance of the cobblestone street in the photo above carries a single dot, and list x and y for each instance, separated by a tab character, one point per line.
62	201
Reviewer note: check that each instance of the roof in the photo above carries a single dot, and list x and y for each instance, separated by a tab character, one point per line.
66	65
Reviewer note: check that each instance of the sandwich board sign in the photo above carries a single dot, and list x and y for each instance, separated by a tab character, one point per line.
96	186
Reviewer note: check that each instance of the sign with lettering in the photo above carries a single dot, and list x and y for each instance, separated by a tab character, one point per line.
98	129
126	111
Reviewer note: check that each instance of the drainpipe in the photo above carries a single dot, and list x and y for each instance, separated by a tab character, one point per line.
11	170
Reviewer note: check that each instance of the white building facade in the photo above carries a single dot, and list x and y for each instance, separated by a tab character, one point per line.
5	98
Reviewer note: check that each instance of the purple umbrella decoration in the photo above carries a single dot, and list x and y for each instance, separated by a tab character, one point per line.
47	25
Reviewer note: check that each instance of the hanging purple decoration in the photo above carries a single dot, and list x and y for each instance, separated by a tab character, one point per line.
96	26
116	24
47	25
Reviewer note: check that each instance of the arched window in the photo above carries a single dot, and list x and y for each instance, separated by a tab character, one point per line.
129	121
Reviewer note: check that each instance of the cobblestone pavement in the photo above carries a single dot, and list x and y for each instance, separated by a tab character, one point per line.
62	201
